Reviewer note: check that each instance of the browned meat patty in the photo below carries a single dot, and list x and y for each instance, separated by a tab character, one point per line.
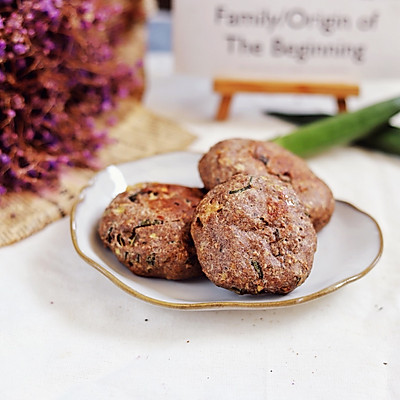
252	236
252	157
148	229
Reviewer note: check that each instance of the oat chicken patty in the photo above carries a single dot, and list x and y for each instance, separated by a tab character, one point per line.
253	157
147	227
252	236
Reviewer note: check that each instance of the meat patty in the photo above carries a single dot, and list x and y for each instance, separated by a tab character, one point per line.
253	236
147	227
252	157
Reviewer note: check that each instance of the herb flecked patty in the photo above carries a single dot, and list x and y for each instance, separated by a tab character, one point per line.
233	156
147	227
253	236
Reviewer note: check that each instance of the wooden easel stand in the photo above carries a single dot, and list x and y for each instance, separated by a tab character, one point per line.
227	88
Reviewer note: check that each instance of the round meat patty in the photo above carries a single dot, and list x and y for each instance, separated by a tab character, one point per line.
147	227
252	157
252	236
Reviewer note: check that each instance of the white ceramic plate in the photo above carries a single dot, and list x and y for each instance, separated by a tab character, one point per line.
348	247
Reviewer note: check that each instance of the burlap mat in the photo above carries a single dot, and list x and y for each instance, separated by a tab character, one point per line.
139	133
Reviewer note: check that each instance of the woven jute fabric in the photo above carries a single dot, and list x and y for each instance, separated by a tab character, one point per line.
139	133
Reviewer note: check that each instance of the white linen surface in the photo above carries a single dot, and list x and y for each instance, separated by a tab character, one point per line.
66	332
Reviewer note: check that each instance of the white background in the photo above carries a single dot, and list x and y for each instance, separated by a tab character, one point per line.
66	332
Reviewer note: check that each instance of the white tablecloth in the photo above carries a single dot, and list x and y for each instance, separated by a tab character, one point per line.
66	332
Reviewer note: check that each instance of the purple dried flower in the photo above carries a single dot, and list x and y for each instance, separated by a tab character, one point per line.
86	25
106	105
4	159
17	102
123	92
13	23
112	120
49	7
29	16
57	73
48	45
11	113
33	173
86	7
20	49
3	46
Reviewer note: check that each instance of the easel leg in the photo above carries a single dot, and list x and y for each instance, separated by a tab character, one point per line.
224	106
341	102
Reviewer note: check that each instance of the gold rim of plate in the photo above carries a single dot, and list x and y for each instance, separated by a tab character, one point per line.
225	304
